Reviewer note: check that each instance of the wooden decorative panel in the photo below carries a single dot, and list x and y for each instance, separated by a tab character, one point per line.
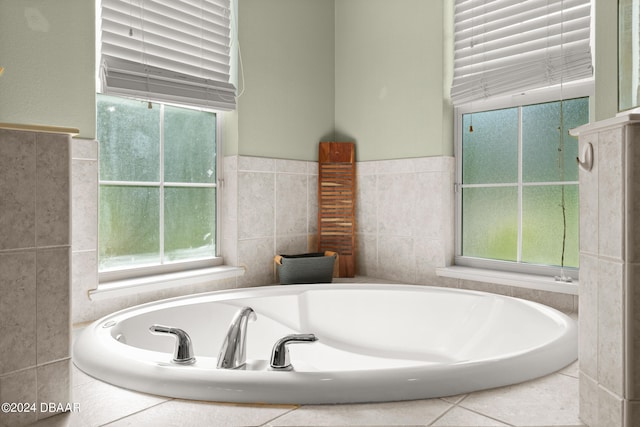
337	203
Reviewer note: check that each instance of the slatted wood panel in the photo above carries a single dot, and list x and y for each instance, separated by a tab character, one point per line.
337	203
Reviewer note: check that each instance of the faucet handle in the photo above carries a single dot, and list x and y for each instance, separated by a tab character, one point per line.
280	360
183	354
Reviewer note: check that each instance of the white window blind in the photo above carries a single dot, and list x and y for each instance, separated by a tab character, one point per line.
174	51
508	46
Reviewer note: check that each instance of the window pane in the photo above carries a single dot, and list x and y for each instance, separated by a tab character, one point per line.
543	225
129	136
190	223
490	223
189	150
491	150
128	226
549	152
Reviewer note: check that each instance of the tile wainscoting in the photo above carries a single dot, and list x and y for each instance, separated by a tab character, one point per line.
405	222
404	212
34	272
610	261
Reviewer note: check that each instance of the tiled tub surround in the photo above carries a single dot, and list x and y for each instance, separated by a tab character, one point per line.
269	207
404	211
404	217
609	350
34	271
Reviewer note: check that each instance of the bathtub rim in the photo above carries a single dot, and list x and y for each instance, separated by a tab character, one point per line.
229	380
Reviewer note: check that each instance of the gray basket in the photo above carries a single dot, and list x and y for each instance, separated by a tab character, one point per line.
306	268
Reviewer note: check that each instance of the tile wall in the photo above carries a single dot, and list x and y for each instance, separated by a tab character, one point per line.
34	272
84	236
405	218
405	222
269	208
609	260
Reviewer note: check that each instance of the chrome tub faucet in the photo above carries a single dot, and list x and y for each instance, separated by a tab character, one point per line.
280	360
233	351
183	354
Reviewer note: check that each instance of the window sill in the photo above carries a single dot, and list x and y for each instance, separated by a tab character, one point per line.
520	280
118	288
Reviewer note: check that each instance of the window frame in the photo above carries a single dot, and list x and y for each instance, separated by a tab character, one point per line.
553	94
136	272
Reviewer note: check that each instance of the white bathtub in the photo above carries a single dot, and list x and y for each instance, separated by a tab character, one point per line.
375	343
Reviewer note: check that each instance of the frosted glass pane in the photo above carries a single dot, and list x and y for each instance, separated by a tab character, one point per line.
190	219
542	225
490	152
490	223
189	145
129	136
128	226
549	152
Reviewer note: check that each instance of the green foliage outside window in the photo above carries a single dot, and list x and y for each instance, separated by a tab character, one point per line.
157	199
520	189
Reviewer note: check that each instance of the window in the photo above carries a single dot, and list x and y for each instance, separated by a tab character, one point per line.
517	192
517	178
157	184
157	203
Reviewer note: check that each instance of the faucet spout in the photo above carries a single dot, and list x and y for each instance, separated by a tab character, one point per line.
233	351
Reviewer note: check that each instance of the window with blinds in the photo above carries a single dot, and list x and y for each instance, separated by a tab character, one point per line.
509	46
169	51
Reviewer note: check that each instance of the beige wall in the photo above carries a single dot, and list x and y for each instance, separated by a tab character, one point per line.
389	78
606	59
345	70
365	69
48	51
287	103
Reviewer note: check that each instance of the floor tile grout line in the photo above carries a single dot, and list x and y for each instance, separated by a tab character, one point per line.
266	424
568	375
446	411
487	416
458	405
136	412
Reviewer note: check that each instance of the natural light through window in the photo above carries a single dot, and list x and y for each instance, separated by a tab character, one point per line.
157	184
518	192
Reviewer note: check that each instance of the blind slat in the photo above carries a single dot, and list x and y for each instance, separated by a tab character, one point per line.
170	51
151	21
474	37
509	46
513	52
127	78
527	75
175	51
